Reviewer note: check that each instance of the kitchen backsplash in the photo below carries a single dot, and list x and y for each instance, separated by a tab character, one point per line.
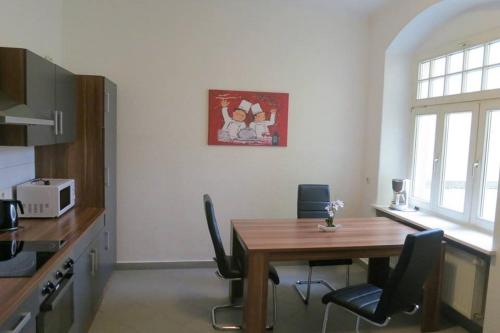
17	165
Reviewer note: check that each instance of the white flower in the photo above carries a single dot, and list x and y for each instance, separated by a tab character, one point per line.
333	207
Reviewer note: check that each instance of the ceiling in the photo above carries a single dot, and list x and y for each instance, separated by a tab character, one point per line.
363	7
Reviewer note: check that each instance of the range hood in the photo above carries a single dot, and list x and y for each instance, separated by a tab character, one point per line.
13	113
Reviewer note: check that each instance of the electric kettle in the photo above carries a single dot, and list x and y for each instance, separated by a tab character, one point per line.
8	214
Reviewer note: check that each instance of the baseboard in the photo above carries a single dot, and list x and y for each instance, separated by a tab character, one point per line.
133	265
137	265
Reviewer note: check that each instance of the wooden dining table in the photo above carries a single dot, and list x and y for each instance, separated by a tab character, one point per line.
258	242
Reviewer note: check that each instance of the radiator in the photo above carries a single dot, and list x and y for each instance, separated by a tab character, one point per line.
464	283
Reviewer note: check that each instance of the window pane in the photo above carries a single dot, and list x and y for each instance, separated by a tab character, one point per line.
423	89
437	87
473	80
425	134
456	160
454	84
494	54
438	66
424	70
493	78
492	167
455	62
475	57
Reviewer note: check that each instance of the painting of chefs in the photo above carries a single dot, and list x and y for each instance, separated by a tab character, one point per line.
247	118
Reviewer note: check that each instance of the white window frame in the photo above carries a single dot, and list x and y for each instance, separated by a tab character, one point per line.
465	51
439	150
420	111
480	158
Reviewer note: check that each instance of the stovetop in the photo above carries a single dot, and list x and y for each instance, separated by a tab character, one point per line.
25	258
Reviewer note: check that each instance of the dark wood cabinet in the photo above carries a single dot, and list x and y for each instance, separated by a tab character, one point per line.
49	92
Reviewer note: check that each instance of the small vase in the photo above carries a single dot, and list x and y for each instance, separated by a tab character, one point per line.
324	228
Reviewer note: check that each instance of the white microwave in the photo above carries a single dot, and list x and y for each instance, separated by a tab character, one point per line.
46	197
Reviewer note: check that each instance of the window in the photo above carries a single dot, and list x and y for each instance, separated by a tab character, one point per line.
456	160
425	135
466	71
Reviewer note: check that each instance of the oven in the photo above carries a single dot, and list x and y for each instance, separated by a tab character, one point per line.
57	311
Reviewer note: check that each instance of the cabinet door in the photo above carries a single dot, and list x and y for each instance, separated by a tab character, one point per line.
40	97
86	290
24	319
106	257
65	106
110	116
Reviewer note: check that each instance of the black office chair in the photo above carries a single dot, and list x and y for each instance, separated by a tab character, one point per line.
403	289
229	268
311	203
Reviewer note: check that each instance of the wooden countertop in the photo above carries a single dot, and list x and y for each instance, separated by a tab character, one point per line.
70	227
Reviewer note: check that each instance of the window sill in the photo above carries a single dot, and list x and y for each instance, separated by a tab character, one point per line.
467	236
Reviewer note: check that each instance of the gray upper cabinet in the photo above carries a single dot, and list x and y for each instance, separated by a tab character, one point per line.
65	108
40	89
110	98
40	98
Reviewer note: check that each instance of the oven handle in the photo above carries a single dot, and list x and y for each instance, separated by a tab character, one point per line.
54	298
26	317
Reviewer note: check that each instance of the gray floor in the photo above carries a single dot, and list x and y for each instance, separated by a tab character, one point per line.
180	300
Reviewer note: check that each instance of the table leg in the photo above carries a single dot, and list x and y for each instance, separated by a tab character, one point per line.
432	296
378	271
255	312
236	286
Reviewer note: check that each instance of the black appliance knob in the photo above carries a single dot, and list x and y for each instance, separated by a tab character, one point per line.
49	288
59	275
69	263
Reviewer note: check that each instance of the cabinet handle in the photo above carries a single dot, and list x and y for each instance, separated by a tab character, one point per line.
93	257
26	317
61	123
56	123
106	246
106	176
107	102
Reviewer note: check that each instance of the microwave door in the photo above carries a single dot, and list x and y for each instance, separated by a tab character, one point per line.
64	199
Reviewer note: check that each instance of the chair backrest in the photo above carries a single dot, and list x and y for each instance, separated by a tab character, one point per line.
213	227
404	286
312	200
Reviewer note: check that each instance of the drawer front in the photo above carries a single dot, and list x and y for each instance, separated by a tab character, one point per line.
24	319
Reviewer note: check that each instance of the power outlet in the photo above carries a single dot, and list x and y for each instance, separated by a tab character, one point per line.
6	193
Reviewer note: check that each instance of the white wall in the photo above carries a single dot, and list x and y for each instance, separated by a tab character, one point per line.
27	24
165	55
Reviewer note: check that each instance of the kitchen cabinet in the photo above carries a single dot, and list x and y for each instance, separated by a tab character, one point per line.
65	105
89	284
24	319
48	91
40	98
109	239
95	253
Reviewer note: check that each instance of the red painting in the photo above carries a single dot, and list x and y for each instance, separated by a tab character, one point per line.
247	118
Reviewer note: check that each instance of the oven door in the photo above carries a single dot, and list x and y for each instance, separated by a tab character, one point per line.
57	311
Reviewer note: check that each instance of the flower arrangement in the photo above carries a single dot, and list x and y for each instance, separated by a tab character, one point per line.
332	209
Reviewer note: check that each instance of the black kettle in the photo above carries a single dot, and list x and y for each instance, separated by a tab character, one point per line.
8	214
